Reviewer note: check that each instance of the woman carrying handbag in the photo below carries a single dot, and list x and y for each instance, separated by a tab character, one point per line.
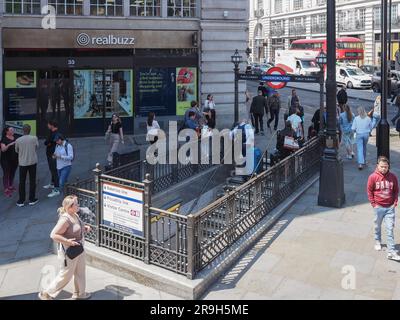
69	234
116	136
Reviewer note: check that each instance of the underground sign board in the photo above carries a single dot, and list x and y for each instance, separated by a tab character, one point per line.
276	78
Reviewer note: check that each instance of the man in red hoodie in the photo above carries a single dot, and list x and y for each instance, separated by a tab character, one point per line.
383	193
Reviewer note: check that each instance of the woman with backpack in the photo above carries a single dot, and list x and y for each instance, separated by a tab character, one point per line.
346	119
64	155
116	135
69	234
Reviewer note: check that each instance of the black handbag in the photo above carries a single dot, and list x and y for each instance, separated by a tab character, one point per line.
73	252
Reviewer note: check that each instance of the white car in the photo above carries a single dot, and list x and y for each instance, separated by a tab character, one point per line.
353	77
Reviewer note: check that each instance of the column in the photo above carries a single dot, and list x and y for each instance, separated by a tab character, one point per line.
164	8
127	12
86	7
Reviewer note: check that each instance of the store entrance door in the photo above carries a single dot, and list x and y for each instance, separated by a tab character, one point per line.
55	100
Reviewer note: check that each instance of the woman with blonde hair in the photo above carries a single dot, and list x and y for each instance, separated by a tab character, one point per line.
116	135
362	125
69	233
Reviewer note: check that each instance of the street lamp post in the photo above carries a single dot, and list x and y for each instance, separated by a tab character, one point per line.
236	60
383	127
321	61
331	184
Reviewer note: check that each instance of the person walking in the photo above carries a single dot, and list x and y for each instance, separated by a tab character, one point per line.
376	112
397	105
383	193
249	101
26	147
293	99
8	160
209	111
116	134
346	119
274	105
296	123
50	148
69	234
152	128
263	89
64	155
362	126
258	105
342	96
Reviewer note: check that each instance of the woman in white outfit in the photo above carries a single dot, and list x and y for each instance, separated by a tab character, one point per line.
116	135
152	128
362	125
69	232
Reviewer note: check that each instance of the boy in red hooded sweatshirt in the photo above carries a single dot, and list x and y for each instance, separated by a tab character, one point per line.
383	192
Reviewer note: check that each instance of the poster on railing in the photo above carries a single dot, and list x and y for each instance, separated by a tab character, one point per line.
123	208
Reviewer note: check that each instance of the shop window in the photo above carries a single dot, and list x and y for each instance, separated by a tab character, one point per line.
23	6
106	7
98	91
145	8
67	7
182	8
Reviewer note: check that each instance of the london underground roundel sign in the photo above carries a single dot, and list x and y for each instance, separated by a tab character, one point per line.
276	71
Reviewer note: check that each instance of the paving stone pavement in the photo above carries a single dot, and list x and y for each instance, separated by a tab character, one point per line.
302	257
312	252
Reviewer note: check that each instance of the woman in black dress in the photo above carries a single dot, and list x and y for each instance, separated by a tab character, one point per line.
9	160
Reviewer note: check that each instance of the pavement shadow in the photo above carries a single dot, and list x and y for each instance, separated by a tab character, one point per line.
110	292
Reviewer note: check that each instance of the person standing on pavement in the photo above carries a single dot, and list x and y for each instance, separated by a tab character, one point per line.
274	105
50	148
376	112
383	193
257	110
152	128
397	105
26	147
249	100
64	155
362	126
263	89
209	110
116	136
293	99
69	232
346	121
8	160
342	96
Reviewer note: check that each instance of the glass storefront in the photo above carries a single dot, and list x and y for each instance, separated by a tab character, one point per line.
83	99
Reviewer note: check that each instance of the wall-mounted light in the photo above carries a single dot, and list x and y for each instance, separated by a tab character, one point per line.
226	13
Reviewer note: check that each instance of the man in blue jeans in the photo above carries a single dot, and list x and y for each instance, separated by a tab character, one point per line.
64	154
383	193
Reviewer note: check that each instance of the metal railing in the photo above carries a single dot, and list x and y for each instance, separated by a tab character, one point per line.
187	244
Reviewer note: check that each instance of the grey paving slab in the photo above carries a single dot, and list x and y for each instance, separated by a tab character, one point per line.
297	290
361	263
13	229
38	232
335	294
33	249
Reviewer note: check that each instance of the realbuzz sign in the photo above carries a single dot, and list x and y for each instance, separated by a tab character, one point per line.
111	39
83	39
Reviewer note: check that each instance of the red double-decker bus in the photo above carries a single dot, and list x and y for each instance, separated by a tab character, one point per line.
348	49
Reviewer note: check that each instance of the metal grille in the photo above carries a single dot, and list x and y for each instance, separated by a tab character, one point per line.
222	223
168	243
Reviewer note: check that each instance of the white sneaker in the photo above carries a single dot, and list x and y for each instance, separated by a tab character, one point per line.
54	193
44	296
49	186
393	256
378	246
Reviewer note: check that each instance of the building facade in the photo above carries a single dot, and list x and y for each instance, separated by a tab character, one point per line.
80	61
274	24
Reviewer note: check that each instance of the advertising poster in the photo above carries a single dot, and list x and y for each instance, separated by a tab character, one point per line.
17	125
123	208
155	91
20	79
95	90
186	88
20	103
